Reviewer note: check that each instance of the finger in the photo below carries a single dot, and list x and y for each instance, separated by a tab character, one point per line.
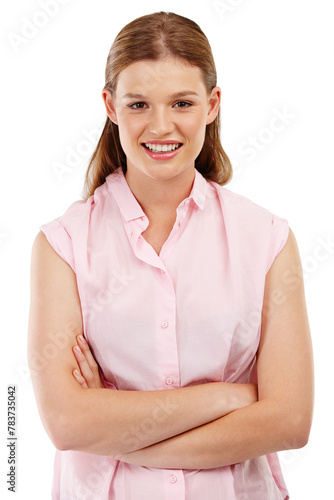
85	369
80	378
89	356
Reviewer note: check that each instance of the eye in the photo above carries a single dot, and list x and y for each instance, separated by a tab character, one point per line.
183	104
137	105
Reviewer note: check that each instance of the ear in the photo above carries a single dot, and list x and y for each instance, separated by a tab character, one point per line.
213	105
109	103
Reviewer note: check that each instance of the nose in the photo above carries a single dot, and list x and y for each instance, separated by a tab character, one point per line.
161	122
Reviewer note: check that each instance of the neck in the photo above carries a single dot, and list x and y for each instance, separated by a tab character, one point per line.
160	197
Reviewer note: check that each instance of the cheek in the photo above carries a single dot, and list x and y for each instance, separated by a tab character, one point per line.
129	129
195	127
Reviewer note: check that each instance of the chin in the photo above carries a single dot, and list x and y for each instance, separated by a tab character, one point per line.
164	173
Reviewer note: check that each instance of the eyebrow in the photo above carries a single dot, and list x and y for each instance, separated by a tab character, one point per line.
176	95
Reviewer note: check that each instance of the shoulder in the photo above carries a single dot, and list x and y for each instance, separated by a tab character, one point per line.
242	206
244	213
68	234
79	210
254	230
287	262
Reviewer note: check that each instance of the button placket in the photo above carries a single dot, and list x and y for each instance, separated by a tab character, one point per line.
166	331
174	484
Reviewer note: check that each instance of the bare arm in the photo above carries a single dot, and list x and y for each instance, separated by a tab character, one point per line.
281	419
98	420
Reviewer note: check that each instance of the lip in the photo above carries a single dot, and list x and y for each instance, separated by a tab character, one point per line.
162	156
169	141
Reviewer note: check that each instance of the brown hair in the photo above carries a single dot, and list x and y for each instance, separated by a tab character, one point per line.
154	37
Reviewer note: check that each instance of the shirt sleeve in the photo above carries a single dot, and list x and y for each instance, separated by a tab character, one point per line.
278	238
60	241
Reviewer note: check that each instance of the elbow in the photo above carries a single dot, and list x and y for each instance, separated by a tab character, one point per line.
303	435
59	432
63	417
299	431
61	444
61	429
61	440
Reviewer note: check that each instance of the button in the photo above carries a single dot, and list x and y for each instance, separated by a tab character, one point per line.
187	202
173	479
162	271
180	223
169	381
164	324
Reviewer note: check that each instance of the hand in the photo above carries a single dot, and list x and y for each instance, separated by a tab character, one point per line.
237	395
89	375
251	394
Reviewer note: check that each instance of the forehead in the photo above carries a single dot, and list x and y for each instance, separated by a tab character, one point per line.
170	75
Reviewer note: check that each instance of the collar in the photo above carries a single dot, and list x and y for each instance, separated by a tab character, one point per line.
129	206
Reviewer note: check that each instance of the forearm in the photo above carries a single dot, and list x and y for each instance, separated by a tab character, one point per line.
107	422
252	431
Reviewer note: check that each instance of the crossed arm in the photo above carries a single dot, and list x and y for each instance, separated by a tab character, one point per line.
209	425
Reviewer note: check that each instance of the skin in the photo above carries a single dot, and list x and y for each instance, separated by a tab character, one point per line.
212	424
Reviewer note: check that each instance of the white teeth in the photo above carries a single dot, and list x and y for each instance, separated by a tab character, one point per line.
161	148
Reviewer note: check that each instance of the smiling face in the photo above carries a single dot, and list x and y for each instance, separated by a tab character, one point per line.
161	109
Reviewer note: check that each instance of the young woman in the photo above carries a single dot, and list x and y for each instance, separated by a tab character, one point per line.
169	343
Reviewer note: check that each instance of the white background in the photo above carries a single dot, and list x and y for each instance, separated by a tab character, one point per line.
272	57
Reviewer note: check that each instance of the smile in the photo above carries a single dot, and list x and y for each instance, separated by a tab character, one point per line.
161	148
162	152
